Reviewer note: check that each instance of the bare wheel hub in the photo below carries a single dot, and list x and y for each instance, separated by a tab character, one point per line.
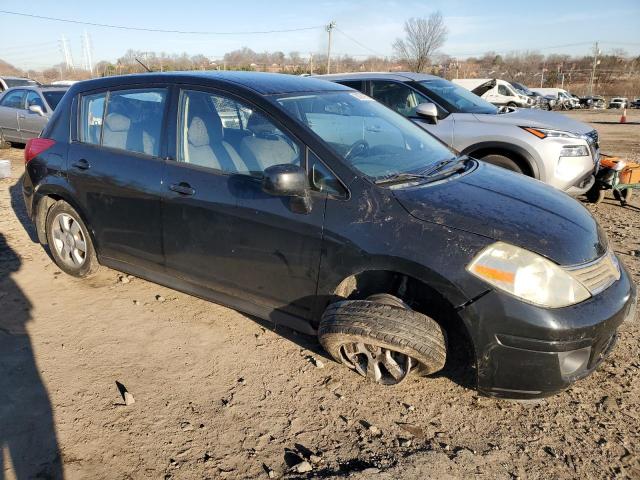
378	364
68	240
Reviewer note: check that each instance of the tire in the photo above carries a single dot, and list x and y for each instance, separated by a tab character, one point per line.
3	143
502	161
370	335
512	104
624	195
67	236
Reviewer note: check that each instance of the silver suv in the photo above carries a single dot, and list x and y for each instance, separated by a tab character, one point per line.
548	146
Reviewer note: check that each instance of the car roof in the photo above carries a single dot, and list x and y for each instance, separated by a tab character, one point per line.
48	88
260	82
399	76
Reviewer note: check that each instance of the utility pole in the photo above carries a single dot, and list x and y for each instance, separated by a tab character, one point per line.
330	27
596	52
66	52
311	64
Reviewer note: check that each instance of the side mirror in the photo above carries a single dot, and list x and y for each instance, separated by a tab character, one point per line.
428	110
36	109
288	181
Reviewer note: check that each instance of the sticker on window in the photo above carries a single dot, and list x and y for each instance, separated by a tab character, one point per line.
361	96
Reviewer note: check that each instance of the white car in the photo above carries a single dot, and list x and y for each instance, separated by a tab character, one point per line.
496	91
619	102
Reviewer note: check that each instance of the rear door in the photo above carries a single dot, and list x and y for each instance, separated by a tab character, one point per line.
11	105
115	166
220	229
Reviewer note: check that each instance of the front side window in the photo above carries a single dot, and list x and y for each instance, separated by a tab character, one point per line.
355	84
503	90
366	135
221	133
397	96
34	99
456	98
14	99
91	115
133	120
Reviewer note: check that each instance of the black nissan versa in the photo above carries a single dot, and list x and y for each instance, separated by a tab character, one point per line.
309	204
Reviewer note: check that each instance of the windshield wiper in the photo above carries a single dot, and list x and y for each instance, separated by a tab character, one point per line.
400	178
450	163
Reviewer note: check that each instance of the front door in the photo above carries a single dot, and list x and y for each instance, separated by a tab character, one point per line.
115	167
219	228
11	105
32	123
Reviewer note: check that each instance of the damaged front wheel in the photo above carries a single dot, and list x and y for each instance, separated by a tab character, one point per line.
382	339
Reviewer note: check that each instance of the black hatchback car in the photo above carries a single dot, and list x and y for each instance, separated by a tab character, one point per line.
309	204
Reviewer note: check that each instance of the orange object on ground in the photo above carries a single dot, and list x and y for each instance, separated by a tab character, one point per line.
623	118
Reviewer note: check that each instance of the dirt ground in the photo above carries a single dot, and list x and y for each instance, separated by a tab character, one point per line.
220	395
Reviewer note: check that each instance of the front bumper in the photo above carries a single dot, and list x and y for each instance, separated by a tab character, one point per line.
524	351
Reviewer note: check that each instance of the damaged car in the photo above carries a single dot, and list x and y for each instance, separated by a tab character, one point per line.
322	210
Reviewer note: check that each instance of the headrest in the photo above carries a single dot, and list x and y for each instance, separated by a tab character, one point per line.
197	134
117	123
260	126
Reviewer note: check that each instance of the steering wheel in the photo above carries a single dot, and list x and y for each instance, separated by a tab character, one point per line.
356	148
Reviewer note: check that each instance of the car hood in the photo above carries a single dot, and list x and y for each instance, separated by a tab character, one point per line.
512	208
527	117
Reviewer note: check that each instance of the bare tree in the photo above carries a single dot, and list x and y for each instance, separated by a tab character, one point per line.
423	37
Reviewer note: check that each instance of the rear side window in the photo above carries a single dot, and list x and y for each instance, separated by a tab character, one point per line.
91	114
133	120
125	119
355	84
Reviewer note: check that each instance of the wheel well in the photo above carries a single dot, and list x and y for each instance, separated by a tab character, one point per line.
419	296
43	207
519	159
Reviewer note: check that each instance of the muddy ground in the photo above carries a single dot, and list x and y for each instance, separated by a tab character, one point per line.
220	395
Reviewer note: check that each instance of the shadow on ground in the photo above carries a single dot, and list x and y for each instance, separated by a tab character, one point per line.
27	430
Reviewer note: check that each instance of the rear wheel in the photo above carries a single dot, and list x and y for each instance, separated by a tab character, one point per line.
512	104
382	339
69	241
502	161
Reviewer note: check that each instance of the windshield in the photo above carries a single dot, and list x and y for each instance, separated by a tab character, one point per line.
521	88
53	98
19	82
370	137
456	98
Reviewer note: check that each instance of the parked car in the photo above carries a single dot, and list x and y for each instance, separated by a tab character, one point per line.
542	102
537	100
635	103
329	213
563	99
544	145
24	111
619	102
496	91
594	101
10	82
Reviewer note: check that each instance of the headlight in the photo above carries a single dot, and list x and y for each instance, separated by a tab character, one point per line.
546	132
527	275
574	151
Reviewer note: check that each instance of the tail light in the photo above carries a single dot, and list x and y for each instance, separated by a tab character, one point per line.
36	146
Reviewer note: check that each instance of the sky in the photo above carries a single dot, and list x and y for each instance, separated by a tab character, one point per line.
475	27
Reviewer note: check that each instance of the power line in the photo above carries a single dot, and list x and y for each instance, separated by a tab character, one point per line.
159	30
360	44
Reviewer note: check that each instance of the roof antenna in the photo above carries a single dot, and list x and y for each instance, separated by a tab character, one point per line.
145	67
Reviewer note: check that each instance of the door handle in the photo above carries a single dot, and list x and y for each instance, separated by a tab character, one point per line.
81	164
22	116
182	188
